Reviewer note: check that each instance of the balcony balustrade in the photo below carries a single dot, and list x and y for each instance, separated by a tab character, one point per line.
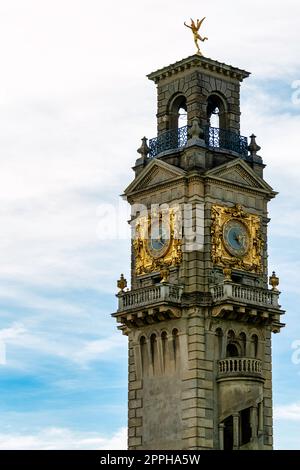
149	296
239	366
245	294
214	138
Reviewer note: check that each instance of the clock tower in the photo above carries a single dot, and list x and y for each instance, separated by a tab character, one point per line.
199	314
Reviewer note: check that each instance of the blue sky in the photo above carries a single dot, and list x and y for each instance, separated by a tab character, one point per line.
74	104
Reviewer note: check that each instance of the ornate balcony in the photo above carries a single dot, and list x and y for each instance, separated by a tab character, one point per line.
222	139
148	305
248	304
239	367
169	140
214	138
149	296
245	294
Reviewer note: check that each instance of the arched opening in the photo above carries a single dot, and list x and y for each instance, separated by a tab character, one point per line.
144	354
243	343
245	426
154	353
254	346
178	113
216	112
164	344
232	350
175	341
228	433
219	342
214	119
182	117
230	335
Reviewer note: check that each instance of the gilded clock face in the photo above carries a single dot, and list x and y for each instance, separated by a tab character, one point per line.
159	241
155	244
236	238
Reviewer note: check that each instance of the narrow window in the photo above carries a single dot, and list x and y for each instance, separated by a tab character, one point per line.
154	353
245	426
175	342
232	350
164	344
219	342
254	346
228	433
243	343
144	355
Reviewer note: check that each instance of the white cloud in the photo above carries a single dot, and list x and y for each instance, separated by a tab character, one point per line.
74	103
290	412
13	332
74	109
63	439
75	348
112	347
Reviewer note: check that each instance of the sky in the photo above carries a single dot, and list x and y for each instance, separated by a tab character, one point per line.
74	104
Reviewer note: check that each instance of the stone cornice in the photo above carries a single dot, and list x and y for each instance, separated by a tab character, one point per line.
162	185
257	191
200	63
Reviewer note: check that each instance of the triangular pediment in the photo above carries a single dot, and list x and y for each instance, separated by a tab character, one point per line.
238	172
154	174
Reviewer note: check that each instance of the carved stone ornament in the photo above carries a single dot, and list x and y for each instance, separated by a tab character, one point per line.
152	254
236	240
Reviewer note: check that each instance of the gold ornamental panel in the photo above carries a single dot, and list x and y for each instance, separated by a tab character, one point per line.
161	250
236	239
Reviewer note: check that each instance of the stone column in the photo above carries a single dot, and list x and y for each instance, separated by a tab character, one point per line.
236	431
227	289
253	422
260	419
170	352
160	359
221	436
224	346
149	357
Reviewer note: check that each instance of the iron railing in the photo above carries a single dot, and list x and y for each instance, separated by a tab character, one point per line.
214	138
169	140
223	139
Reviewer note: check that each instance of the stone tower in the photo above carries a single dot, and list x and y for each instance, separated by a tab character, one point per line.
199	314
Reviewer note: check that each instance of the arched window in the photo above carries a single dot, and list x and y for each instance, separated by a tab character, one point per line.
228	433
154	353
175	341
164	344
254	346
182	117
144	355
219	342
242	342
178	112
245	426
216	112
214	120
232	350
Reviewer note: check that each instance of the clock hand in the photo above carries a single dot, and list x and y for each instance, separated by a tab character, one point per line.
159	241
237	238
240	239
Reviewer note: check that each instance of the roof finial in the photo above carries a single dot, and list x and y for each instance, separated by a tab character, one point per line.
122	283
195	30
144	149
253	147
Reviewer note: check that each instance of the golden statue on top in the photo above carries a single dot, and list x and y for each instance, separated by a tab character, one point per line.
195	30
